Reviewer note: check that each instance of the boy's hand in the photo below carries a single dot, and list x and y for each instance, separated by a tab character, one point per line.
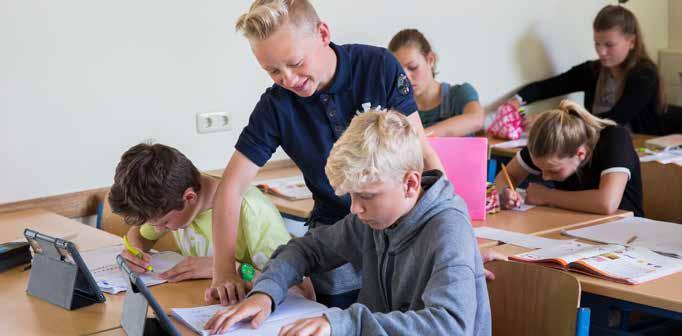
228	291
490	255
258	306
318	326
510	199
136	264
190	268
537	194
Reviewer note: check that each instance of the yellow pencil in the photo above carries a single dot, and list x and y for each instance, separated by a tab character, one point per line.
632	239
506	176
136	252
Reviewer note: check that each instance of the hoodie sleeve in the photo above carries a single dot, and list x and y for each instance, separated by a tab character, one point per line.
323	249
450	297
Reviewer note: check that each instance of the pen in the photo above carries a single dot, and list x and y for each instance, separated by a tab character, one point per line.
631	240
506	176
136	252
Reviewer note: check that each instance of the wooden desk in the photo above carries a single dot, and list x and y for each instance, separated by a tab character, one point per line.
501	152
300	209
662	187
664	293
661	183
22	314
541	220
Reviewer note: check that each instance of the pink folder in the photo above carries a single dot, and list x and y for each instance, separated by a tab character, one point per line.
465	161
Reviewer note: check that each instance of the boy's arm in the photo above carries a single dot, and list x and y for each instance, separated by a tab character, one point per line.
450	297
325	248
227	286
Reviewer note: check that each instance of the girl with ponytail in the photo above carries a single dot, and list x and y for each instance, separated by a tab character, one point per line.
622	85
590	160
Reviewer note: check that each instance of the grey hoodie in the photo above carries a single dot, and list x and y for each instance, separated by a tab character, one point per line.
423	276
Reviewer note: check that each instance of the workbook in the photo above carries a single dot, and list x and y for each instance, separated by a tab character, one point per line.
109	277
292	188
627	265
293	308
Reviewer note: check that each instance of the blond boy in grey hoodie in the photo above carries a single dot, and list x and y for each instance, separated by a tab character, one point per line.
408	232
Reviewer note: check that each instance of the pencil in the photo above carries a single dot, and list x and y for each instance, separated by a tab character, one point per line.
631	240
506	176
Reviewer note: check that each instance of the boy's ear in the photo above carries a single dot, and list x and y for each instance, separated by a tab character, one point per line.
581	153
190	195
324	33
412	183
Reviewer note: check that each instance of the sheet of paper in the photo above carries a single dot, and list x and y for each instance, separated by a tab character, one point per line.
523	207
663	237
515	238
102	264
512	144
294	307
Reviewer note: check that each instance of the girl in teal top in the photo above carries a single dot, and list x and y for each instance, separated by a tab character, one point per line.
445	110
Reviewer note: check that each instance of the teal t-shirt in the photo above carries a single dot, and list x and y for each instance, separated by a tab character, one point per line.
458	97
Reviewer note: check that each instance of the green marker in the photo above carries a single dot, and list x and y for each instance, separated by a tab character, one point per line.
247	272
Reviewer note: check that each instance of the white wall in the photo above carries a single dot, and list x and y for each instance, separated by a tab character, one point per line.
84	80
675	24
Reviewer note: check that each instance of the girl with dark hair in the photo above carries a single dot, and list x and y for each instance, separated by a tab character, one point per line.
622	85
444	109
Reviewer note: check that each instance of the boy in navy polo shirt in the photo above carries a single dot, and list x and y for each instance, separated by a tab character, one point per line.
319	87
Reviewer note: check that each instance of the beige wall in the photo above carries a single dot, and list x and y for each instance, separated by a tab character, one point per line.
675	24
84	80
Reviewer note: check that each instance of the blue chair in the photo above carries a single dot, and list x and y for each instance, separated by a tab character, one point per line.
530	299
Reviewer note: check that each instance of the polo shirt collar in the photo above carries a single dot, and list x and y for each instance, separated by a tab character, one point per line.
341	80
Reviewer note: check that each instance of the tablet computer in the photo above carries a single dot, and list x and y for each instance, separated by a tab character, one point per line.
59	274
135	311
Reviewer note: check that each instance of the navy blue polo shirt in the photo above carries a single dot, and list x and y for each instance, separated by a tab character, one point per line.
307	127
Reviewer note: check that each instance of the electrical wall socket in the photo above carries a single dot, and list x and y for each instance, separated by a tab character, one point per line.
209	122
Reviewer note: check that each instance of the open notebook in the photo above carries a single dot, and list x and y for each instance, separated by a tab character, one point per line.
628	265
109	277
293	308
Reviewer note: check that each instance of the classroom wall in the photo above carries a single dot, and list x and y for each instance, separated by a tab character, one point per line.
675	24
84	80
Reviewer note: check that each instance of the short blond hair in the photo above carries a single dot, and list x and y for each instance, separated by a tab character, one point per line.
378	146
560	132
266	16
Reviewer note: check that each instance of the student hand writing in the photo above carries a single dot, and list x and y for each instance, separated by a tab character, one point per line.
537	194
190	268
490	255
136	264
229	290
510	199
318	326
258	307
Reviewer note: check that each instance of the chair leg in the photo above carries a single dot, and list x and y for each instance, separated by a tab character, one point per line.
583	322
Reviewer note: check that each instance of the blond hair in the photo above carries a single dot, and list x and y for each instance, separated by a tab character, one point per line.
378	146
266	16
560	132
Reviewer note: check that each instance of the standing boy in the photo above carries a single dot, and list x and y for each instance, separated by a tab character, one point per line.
318	88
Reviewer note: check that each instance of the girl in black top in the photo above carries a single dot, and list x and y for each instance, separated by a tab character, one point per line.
591	161
622	85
